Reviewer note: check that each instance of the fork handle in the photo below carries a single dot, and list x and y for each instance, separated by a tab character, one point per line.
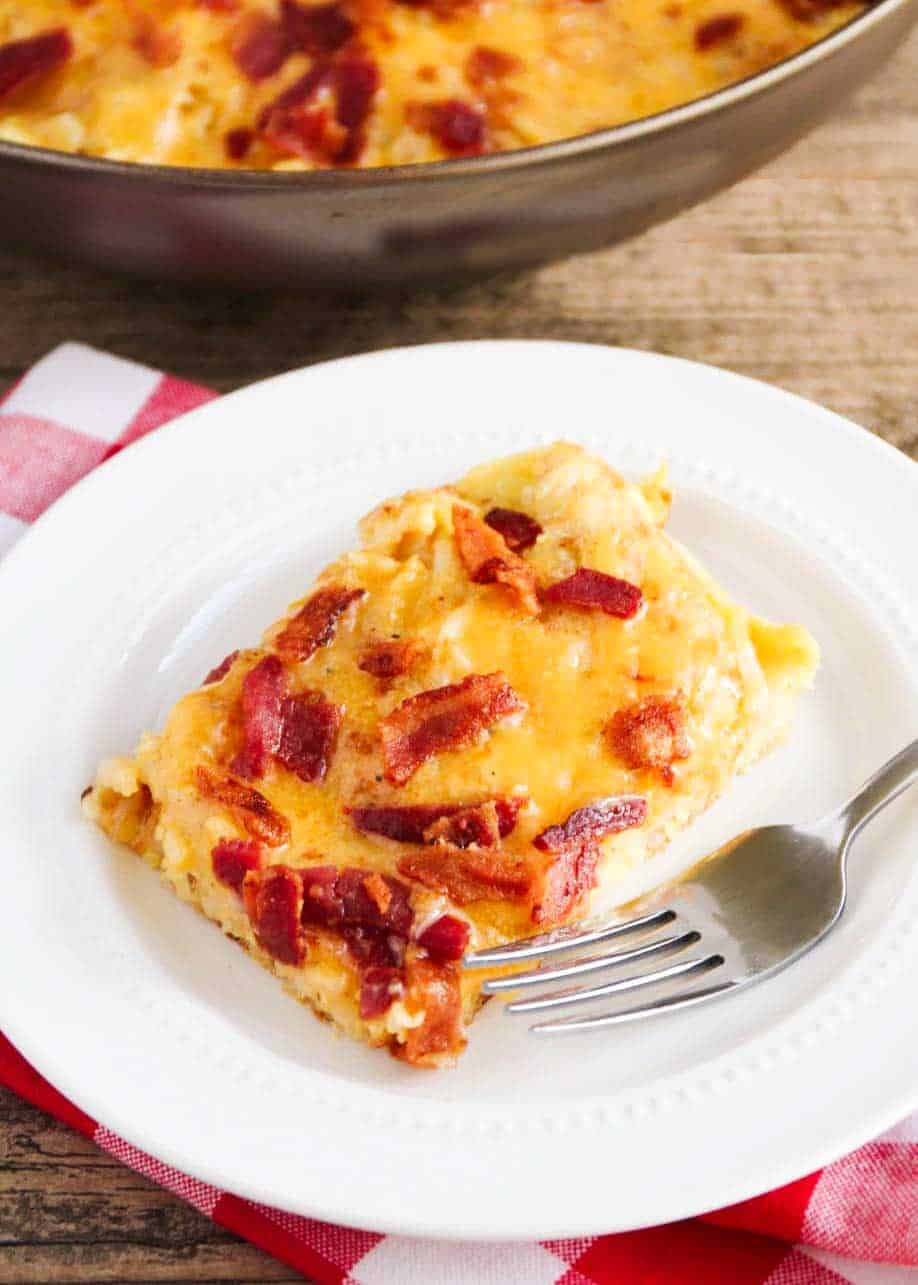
884	786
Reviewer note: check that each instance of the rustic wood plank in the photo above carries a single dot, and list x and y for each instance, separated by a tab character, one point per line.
805	275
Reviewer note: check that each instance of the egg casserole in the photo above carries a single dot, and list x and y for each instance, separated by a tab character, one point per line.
516	691
298	85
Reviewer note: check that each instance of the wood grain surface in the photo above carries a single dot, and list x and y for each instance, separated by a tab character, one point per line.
805	275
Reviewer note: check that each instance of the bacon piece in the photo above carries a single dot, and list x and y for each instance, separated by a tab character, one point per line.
519	530
333	898
273	901
379	986
445	939
24	61
391	659
407	824
157	45
593	822
651	733
370	947
309	734
568	876
467	875
488	559
594	589
573	847
323	115
264	689
261	47
236	142
320	29
232	859
447	718
221	670
716	30
433	988
477	825
486	67
315	623
458	127
253	811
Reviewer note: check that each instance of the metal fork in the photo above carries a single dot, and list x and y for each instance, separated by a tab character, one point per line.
751	908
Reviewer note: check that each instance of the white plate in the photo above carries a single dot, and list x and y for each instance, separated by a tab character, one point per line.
188	543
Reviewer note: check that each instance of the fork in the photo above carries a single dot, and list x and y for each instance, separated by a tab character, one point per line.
748	910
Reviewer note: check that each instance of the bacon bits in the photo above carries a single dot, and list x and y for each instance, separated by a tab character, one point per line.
252	810
24	61
488	559
650	733
471	874
519	530
458	127
593	822
391	659
410	823
447	718
332	898
273	901
221	670
261	47
486	67
323	115
478	825
319	30
232	859
445	939
575	854
263	691
379	986
316	622
237	142
433	989
716	31
309	734
595	590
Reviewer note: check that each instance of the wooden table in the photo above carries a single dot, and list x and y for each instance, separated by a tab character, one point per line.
805	275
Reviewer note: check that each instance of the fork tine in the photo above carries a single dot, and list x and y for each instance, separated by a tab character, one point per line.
666	1005
591	964
560	998
551	943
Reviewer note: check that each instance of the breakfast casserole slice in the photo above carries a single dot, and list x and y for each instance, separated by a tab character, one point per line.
518	689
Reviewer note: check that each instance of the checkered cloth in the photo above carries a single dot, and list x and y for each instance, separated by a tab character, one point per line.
854	1221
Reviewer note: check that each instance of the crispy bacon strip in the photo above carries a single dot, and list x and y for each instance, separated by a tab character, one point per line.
391	659
593	822
488	559
445	939
447	718
573	848
273	901
315	623
221	670
433	988
264	689
594	590
361	898
309	733
232	859
408	823
567	877
518	529
252	810
651	733
477	825
467	875
22	61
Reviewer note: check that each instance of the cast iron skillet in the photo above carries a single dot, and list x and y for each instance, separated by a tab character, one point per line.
430	223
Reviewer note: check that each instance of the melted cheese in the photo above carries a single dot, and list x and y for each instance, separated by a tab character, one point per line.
737	675
583	66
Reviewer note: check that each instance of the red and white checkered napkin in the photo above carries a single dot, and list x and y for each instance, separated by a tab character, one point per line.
854	1221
